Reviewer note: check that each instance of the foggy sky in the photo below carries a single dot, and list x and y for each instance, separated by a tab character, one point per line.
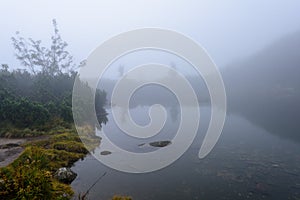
229	30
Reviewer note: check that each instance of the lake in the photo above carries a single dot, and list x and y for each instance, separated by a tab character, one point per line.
247	163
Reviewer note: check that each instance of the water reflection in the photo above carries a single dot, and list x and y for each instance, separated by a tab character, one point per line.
247	163
257	156
265	88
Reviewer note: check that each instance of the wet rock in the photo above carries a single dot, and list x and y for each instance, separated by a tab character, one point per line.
65	175
160	143
104	153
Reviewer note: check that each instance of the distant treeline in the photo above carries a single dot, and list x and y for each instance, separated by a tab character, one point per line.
265	88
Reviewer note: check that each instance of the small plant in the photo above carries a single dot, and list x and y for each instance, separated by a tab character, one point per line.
121	198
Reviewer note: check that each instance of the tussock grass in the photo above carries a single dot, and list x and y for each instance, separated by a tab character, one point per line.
31	175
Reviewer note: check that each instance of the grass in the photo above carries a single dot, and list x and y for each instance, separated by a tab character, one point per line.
31	175
9	130
121	198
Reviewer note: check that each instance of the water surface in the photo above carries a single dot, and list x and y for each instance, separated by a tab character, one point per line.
247	163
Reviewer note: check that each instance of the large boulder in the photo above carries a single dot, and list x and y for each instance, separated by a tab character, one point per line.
65	175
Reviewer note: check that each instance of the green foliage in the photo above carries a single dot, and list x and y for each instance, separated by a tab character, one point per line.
8	130
39	97
27	181
23	113
53	158
31	175
36	101
70	146
41	102
121	198
32	180
83	108
100	101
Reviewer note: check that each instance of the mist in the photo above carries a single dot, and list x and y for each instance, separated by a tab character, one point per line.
228	30
57	118
265	88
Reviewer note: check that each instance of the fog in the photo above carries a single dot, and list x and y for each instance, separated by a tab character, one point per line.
265	88
254	44
229	30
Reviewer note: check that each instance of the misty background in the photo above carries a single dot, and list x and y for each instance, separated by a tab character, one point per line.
255	44
228	30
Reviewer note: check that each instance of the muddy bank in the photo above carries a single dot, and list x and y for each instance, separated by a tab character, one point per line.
11	148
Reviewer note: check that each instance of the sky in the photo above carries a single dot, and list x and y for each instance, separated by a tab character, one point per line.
229	30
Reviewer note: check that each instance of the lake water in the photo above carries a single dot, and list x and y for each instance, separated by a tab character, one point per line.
246	163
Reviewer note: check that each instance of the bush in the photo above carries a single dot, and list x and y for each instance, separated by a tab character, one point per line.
27	180
70	146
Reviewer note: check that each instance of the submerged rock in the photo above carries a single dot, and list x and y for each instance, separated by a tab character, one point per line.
160	143
65	175
104	153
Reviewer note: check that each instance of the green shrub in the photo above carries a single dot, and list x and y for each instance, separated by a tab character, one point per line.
121	198
70	146
27	180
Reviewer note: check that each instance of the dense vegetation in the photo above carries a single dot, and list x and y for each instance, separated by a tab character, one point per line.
31	175
37	100
39	97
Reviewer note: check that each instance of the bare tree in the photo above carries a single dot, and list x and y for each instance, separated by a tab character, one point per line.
37	58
